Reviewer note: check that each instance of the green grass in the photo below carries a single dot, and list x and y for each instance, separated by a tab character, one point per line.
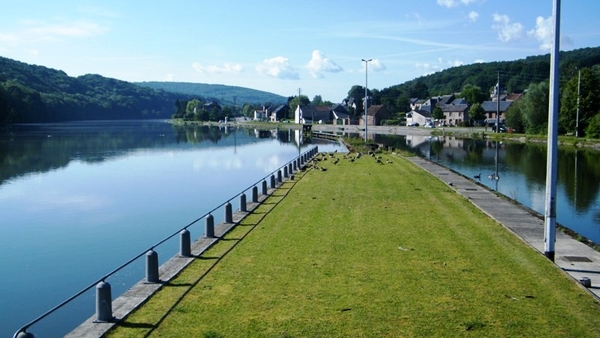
368	250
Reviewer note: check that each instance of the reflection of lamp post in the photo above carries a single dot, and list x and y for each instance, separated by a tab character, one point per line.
366	97
577	119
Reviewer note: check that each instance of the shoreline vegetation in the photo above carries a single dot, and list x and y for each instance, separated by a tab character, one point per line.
457	132
316	260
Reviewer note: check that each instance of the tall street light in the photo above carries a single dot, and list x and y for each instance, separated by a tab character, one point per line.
366	97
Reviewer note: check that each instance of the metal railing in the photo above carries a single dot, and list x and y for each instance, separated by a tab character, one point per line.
287	168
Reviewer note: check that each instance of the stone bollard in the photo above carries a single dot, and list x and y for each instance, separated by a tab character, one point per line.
273	186
586	281
228	213
264	187
209	231
254	194
152	267
243	203
103	302
291	177
185	243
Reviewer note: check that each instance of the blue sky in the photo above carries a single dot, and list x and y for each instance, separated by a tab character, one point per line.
281	46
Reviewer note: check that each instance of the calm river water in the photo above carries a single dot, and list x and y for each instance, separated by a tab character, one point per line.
79	199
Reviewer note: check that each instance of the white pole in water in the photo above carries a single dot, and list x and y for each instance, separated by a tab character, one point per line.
552	162
366	105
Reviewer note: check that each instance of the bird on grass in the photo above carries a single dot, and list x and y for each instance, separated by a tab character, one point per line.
388	161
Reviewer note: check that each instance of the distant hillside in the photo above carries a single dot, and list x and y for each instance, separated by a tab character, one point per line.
514	75
30	93
225	95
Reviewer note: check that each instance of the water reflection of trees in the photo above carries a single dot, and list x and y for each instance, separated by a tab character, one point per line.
42	148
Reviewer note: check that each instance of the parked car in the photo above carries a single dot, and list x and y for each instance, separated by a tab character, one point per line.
414	124
428	125
501	128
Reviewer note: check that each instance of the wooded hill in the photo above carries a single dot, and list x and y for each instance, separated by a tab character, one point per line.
515	76
35	94
31	93
225	95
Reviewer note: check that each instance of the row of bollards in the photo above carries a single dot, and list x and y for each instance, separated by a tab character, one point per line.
103	289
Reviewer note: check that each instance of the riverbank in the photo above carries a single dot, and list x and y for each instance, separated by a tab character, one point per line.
368	249
457	132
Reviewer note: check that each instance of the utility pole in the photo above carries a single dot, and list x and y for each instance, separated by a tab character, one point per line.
498	105
366	105
552	162
578	91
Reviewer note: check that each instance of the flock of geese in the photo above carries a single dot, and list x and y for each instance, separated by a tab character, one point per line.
318	161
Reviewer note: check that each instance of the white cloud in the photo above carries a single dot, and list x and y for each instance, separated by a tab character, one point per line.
169	78
543	32
455	3
214	69
376	65
278	67
440	65
507	31
473	16
320	64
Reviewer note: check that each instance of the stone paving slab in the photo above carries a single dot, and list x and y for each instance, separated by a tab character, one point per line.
575	258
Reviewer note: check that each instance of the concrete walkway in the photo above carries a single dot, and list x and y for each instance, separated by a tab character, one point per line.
574	257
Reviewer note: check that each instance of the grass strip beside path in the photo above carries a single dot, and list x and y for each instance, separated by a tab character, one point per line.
368	250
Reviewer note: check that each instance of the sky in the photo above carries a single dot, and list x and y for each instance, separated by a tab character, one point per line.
286	47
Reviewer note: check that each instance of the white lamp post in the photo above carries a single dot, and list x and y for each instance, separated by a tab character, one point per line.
366	97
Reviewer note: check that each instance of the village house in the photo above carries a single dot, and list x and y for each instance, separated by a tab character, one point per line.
376	115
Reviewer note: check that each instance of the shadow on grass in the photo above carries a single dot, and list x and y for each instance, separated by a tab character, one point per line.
235	241
137	325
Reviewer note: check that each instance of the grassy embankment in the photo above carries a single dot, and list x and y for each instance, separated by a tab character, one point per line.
368	250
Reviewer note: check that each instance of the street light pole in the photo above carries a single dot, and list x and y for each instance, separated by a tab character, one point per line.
366	95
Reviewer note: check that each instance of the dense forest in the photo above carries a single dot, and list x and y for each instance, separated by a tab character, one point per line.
225	95
30	93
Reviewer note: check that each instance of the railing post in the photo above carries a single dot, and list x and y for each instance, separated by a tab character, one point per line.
228	213
279	179
285	172
243	203
290	169
103	302
209	231
254	194
152	266
273	186
185	244
264	187
295	165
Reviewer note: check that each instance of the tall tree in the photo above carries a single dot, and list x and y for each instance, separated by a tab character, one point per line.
589	101
535	108
303	100
317	100
473	94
